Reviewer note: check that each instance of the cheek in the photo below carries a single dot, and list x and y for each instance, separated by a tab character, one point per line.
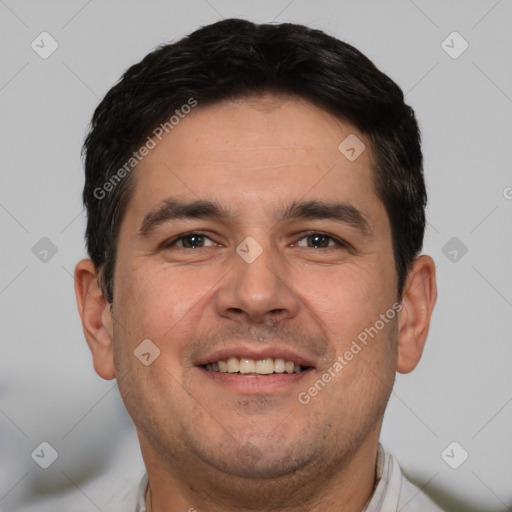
162	304
345	300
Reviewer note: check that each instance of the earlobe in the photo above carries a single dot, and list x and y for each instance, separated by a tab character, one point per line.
418	300
95	312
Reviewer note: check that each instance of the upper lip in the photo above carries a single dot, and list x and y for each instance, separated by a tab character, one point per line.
256	353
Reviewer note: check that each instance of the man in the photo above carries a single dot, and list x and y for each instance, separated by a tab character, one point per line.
255	204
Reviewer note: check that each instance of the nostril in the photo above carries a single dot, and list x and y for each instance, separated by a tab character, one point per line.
277	312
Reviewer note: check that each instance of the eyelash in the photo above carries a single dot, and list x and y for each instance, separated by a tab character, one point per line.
340	243
169	243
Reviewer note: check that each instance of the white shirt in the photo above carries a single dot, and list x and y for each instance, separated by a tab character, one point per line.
393	493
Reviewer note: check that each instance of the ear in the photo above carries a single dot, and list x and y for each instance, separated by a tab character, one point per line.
418	300
96	315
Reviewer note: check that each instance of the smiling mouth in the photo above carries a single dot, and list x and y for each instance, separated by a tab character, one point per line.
245	366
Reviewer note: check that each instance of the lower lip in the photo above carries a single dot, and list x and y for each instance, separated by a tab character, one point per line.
254	384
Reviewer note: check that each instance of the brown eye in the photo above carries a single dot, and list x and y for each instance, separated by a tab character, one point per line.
319	241
189	241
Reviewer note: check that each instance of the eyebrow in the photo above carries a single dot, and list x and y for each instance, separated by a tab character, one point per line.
172	209
344	213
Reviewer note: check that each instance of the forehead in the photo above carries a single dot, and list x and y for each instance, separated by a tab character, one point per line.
255	152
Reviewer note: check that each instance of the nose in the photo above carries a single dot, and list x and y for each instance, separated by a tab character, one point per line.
258	291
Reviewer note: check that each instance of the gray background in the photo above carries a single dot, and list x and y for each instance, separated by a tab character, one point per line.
461	390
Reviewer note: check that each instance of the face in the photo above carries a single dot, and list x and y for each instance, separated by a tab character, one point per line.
252	243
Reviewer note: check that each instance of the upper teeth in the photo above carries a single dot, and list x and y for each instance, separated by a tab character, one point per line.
261	366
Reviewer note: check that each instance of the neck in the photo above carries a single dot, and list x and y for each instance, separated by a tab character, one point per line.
346	484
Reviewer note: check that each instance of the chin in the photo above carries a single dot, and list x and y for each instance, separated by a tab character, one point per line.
258	459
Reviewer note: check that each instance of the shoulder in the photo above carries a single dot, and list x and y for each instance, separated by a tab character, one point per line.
410	497
394	492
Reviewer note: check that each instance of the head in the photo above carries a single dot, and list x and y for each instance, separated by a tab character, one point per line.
255	191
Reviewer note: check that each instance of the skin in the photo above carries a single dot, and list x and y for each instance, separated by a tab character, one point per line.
213	446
